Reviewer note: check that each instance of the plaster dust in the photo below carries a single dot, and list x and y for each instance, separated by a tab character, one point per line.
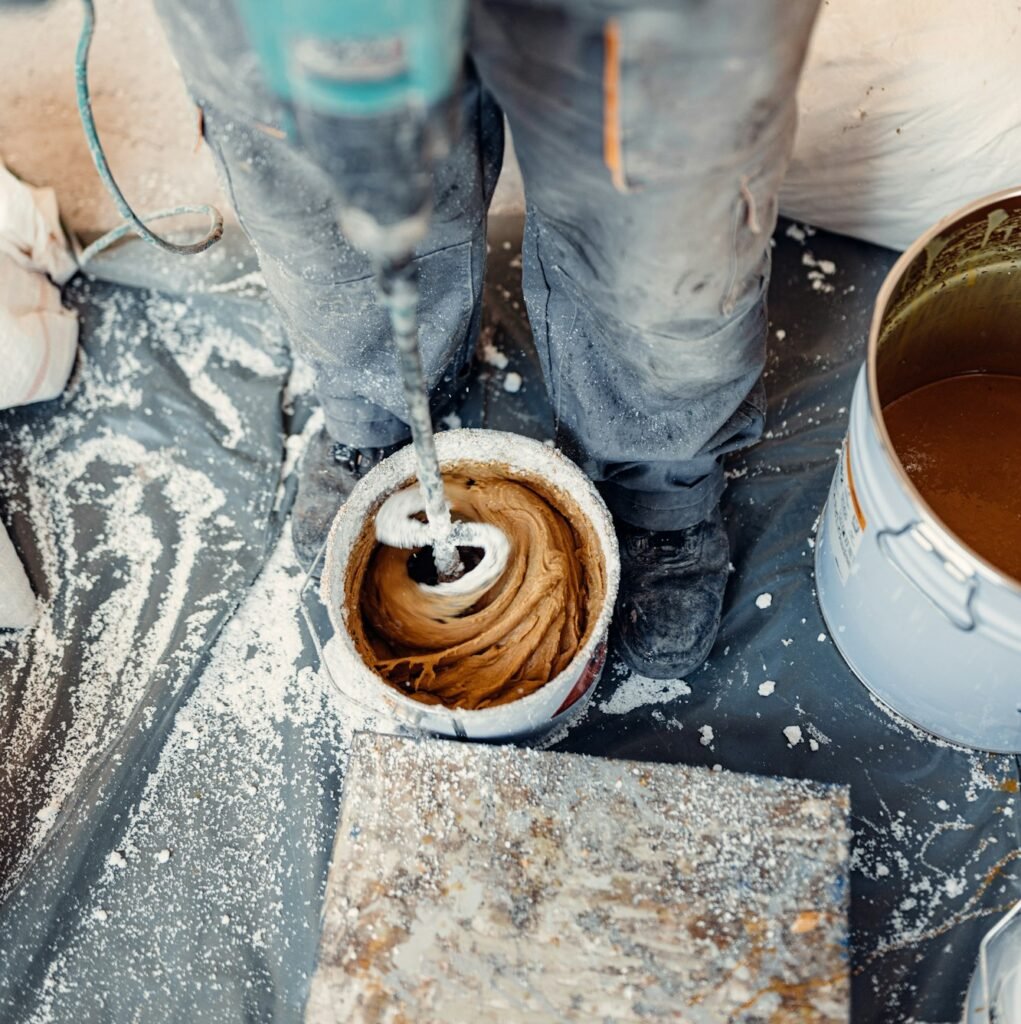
253	698
490	354
252	695
149	623
484	882
637	691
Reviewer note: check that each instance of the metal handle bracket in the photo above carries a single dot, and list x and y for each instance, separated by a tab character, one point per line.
943	583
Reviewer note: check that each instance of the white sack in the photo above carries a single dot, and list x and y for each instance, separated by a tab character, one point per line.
17	602
38	337
908	110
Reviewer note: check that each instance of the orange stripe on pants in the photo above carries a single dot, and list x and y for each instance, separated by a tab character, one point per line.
612	152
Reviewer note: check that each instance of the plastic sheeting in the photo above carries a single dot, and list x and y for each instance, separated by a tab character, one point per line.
142	503
180	841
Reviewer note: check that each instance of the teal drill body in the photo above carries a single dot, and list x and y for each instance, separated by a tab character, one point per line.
358	57
371	87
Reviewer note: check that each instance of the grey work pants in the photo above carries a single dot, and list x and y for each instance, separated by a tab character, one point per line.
652	139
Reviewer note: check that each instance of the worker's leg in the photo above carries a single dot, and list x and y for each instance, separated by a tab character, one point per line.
323	288
652	139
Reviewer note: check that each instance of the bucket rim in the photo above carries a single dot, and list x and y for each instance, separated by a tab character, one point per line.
890	282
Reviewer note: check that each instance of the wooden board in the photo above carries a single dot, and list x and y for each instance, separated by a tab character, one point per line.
475	883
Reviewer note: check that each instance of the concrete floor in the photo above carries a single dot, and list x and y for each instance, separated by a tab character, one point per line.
147	122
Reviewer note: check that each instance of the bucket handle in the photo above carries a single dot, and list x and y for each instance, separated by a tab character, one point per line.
910	552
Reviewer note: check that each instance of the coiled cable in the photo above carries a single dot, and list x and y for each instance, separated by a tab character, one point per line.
132	222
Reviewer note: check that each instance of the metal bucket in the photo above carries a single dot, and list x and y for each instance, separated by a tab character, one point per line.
530	717
994	994
929	626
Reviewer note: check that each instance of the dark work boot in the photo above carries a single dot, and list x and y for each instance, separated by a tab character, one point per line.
671	596
327	475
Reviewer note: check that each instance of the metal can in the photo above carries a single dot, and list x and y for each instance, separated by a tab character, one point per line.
995	990
929	626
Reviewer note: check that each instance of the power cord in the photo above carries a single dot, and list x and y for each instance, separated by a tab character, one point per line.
133	224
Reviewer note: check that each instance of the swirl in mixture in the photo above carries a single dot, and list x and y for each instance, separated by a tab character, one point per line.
522	632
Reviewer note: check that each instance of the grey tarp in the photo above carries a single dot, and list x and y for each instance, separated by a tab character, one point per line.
180	838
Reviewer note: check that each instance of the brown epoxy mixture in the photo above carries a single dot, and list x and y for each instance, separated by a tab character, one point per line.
524	630
960	442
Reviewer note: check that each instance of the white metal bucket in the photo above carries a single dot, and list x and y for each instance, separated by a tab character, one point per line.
995	990
549	707
929	626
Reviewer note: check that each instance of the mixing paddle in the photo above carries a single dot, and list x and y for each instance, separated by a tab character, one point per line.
397	524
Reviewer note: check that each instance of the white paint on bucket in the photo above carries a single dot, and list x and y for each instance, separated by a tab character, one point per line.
932	629
551	706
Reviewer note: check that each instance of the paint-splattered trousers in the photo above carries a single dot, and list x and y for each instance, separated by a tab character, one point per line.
652	138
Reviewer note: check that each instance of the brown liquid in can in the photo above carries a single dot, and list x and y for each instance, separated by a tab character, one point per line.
960	442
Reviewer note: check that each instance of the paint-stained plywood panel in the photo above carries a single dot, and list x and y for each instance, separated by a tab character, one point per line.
474	883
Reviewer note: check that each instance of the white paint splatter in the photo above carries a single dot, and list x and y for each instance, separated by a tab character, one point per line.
793	734
821	269
763	601
492	355
638	691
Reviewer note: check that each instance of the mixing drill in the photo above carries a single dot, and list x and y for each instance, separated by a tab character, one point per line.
371	87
